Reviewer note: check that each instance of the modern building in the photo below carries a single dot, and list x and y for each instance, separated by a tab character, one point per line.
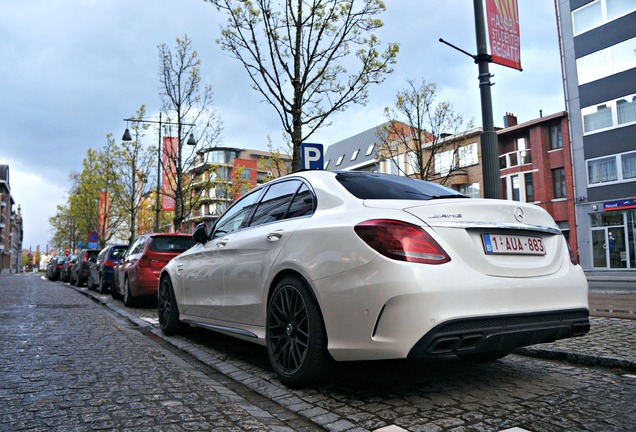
598	42
11	230
455	161
536	166
222	174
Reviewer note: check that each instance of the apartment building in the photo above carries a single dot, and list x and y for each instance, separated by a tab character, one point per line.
11	230
536	166
389	149
222	174
598	42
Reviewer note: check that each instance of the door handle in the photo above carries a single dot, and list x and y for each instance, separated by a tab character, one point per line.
221	243
275	236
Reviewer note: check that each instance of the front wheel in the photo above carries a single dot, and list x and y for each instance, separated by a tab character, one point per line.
168	310
296	336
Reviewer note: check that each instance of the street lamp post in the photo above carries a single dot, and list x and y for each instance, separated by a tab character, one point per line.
127	137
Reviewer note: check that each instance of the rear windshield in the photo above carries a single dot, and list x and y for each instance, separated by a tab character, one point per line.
171	244
118	252
367	185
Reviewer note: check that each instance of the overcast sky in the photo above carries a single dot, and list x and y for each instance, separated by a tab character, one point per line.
71	70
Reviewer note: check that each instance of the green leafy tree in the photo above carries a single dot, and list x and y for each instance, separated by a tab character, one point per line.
278	160
188	103
301	56
64	228
419	130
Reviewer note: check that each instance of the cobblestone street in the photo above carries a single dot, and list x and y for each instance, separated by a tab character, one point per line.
72	363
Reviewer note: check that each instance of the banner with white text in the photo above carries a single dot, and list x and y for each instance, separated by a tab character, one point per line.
503	32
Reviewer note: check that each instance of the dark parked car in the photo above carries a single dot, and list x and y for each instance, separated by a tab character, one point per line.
79	271
54	268
137	274
69	262
101	272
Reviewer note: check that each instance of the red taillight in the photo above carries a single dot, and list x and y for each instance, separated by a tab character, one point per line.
151	262
109	263
401	241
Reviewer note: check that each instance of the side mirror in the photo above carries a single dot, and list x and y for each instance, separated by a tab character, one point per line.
200	234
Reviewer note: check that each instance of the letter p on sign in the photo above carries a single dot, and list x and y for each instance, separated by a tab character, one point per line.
311	156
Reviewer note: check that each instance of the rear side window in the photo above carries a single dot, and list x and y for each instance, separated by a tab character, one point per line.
275	202
365	185
170	244
302	204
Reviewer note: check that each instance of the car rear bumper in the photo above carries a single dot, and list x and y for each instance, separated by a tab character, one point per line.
385	310
501	333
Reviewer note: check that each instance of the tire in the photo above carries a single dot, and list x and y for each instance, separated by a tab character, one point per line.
168	310
296	336
89	283
129	299
102	288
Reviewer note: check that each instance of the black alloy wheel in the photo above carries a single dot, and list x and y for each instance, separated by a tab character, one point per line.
296	337
167	309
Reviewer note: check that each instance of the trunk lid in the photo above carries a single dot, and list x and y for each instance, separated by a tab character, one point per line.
494	237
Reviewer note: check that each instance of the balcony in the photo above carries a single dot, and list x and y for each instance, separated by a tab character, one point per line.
515	158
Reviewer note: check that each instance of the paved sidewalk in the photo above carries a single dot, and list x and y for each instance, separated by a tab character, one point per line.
610	343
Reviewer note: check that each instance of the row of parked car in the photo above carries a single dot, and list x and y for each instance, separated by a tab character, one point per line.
125	271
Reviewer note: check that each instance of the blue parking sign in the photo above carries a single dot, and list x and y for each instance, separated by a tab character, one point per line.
311	156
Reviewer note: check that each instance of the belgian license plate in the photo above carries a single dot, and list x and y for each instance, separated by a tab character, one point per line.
513	244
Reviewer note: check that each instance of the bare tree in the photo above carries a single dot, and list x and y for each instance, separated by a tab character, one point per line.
189	104
133	167
297	54
421	132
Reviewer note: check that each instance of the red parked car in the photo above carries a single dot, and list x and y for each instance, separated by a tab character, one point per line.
137	274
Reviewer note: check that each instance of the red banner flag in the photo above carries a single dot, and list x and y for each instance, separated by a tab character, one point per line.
103	213
170	147
503	32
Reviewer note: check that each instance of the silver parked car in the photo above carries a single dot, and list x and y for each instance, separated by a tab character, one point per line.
322	265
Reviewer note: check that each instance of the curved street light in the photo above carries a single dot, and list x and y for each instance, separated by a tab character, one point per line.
127	137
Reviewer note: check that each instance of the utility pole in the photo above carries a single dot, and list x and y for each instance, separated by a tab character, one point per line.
488	137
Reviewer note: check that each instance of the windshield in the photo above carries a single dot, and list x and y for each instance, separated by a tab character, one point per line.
171	243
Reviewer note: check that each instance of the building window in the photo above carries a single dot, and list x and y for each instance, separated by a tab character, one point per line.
355	154
558	182
606	62
444	161
602	170
470	190
468	155
514	180
629	165
615	113
598	13
339	161
556	138
370	149
529	187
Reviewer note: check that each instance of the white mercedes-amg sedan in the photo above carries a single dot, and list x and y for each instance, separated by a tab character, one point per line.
322	265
